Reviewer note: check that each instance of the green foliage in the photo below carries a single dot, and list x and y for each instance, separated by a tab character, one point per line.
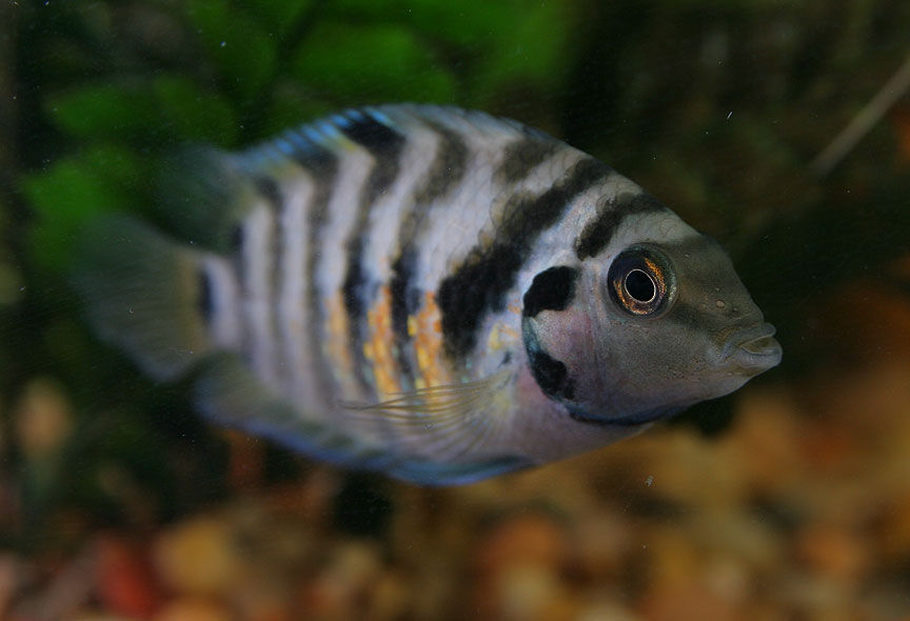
280	17
104	111
100	179
500	44
165	106
375	62
241	50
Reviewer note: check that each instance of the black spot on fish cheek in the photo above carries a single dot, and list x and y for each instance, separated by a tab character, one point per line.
551	375
552	289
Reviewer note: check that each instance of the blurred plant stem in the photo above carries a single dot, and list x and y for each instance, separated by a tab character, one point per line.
864	121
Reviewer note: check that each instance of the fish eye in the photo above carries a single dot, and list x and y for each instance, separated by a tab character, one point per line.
641	281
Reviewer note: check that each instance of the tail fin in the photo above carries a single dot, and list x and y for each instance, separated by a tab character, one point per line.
143	293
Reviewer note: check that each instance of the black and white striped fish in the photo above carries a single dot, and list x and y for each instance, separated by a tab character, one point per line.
430	292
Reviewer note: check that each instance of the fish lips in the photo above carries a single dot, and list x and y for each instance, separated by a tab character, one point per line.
747	351
753	349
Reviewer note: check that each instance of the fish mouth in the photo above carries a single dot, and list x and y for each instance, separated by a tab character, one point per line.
754	348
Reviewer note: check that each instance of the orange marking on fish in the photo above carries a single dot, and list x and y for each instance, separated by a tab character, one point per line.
378	349
426	329
502	336
336	344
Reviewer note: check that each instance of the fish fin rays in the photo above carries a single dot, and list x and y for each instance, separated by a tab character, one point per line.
447	421
230	394
141	292
227	392
444	474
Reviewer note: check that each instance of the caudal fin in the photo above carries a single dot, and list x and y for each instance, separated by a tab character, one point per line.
143	293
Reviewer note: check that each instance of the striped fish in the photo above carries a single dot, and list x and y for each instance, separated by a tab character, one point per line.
430	292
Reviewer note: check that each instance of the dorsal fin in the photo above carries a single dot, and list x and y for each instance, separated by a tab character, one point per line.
204	192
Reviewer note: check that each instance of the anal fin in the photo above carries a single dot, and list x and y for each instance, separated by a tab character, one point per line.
228	392
452	425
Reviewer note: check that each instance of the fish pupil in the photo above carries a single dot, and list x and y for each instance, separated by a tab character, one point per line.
640	286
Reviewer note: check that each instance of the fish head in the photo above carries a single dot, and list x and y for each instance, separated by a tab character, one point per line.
651	327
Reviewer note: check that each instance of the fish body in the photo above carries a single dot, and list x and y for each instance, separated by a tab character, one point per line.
430	292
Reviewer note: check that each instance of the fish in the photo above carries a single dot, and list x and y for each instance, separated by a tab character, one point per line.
429	292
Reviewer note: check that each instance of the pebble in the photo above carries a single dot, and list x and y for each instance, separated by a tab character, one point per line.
198	557
124	577
525	539
344	583
194	609
837	552
43	419
518	567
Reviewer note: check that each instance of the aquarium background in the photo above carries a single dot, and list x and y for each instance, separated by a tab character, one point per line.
789	499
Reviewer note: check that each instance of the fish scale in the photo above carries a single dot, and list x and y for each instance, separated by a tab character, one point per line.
431	292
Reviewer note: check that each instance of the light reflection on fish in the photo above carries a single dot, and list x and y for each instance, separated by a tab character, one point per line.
434	293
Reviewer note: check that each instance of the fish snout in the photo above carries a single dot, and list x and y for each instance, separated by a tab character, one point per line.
753	348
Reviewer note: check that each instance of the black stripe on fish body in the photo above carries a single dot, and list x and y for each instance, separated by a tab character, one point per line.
206	301
552	289
323	165
523	155
320	161
268	188
386	145
356	296
373	134
235	238
448	168
405	302
597	234
450	164
480	284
